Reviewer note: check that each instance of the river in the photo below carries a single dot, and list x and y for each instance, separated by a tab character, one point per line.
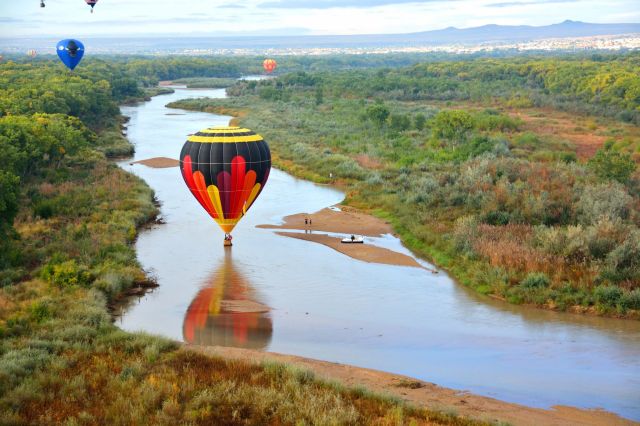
327	306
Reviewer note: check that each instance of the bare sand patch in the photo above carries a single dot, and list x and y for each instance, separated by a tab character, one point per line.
158	162
564	126
364	252
343	219
425	394
348	221
368	162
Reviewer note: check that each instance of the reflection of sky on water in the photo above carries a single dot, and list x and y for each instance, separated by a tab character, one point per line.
328	306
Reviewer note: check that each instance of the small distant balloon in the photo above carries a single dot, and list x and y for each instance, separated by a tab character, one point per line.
269	65
31	53
70	52
41	3
91	3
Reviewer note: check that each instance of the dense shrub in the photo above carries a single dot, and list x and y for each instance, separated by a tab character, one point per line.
605	201
631	299
623	262
612	165
608	295
535	280
66	274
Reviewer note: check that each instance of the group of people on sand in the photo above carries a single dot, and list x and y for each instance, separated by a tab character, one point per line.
307	224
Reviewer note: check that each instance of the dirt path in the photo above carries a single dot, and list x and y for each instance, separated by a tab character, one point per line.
426	394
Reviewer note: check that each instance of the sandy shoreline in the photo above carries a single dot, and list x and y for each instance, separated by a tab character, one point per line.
425	394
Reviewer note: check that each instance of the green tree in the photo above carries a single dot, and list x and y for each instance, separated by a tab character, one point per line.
10	185
319	95
400	122
378	113
452	124
9	192
612	165
419	121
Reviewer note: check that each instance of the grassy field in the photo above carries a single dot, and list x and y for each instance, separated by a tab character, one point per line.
521	203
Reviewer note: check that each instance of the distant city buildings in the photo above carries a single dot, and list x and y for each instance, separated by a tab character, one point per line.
612	42
150	46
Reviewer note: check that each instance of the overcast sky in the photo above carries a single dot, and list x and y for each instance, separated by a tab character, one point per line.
279	17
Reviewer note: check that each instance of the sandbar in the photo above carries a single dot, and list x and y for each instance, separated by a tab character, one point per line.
158	162
340	219
365	252
347	221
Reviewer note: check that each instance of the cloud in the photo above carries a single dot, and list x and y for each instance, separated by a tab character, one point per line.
328	4
529	2
6	20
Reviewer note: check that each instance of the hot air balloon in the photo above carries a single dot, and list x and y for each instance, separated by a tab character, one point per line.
269	65
31	53
91	3
225	168
41	3
70	52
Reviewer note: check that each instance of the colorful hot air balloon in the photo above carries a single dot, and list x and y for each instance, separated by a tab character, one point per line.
70	52
91	3
31	53
225	168
269	65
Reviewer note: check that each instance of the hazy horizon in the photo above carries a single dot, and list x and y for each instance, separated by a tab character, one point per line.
293	17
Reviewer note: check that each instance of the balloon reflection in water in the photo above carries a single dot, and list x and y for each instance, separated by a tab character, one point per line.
226	312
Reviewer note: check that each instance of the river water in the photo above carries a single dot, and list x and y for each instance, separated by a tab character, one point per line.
327	306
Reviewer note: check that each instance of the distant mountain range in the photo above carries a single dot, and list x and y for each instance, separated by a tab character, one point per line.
503	33
486	34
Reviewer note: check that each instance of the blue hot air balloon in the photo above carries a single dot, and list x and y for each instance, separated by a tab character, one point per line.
70	52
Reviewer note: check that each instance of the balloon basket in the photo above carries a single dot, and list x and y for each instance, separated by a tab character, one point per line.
227	243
